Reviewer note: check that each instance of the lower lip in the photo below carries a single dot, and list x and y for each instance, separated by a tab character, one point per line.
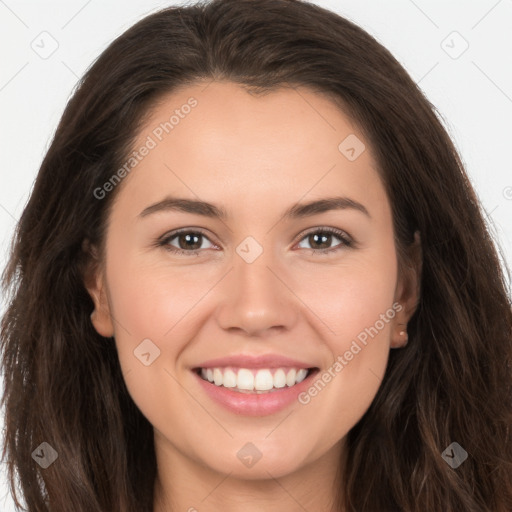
255	404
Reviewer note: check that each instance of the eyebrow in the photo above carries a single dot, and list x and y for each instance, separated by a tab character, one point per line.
297	211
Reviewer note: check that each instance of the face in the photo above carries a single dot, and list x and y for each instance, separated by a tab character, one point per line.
318	287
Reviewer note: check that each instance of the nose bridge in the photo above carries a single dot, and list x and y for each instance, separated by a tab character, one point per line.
256	298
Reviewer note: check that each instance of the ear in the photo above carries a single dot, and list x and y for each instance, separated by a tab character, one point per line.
94	282
408	292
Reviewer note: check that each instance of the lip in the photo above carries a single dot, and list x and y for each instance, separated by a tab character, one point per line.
255	361
253	404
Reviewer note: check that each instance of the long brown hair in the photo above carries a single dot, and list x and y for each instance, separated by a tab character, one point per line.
453	381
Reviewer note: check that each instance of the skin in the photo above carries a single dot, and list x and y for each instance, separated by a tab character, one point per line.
256	157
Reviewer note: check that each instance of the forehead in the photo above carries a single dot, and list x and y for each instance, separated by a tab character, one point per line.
217	141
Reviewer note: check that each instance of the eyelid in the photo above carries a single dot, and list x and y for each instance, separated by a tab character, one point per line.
346	241
169	235
340	233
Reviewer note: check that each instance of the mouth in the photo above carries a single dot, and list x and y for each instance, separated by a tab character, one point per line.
256	380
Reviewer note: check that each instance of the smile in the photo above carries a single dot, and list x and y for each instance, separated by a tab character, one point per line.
262	380
236	389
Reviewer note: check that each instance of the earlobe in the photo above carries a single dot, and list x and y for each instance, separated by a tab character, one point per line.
403	337
100	317
408	293
94	282
102	324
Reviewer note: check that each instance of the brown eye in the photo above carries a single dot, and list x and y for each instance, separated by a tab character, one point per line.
317	239
187	242
321	240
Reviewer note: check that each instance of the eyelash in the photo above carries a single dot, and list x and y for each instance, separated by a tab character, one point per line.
346	241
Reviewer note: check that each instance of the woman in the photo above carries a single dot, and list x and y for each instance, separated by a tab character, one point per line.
145	370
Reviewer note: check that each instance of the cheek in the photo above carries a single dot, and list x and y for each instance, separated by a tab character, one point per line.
353	308
150	295
148	305
350	296
149	302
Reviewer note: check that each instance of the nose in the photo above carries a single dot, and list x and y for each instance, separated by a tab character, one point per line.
257	299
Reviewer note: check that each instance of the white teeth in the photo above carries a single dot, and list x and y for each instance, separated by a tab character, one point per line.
229	379
245	379
262	380
290	378
301	375
280	378
217	377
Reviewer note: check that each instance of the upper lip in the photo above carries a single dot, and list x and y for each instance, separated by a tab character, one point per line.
254	361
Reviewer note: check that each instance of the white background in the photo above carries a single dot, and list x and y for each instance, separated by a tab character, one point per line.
473	92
